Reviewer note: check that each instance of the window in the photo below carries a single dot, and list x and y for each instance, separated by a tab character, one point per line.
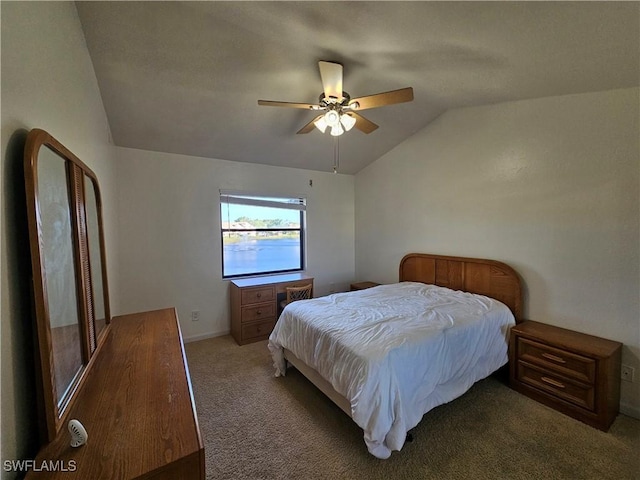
261	234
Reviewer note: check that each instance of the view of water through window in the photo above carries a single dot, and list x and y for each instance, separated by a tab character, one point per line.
261	255
261	239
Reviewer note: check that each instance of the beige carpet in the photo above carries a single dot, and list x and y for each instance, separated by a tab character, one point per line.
261	427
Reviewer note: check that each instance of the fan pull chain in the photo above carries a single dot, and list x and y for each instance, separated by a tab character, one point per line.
336	154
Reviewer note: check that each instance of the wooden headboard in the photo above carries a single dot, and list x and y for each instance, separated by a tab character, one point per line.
484	277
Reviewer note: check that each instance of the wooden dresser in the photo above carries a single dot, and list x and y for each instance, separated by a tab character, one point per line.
255	304
575	373
137	406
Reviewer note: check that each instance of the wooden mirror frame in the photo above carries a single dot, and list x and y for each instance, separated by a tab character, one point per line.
55	414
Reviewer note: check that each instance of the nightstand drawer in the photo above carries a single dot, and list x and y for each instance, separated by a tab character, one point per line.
257	329
563	362
579	394
256	295
258	312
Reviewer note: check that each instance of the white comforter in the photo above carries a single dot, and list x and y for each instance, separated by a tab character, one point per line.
395	351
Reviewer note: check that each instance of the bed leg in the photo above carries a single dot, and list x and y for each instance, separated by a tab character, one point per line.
409	437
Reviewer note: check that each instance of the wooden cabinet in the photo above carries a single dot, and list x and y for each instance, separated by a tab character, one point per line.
363	285
137	406
575	373
255	304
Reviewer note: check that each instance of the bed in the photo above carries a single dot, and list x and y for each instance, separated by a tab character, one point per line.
389	354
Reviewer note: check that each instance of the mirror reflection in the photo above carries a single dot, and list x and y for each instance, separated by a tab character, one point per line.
58	258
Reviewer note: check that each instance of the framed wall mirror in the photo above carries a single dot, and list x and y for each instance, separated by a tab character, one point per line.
70	288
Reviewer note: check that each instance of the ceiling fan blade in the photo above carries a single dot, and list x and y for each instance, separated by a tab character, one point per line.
307	106
331	74
382	99
362	124
309	126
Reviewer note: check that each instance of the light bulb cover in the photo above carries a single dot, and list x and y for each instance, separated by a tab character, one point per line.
332	118
337	130
347	121
321	124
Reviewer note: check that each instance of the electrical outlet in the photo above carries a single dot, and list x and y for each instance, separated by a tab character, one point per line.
195	315
627	373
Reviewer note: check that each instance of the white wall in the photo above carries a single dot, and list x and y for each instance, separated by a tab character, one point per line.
48	82
170	246
549	186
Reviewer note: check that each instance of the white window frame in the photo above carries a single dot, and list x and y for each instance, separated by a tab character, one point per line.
295	202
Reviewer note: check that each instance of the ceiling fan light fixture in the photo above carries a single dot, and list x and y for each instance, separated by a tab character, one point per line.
337	130
347	121
337	107
321	124
332	118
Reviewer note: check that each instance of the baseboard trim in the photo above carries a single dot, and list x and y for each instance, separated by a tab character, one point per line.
630	411
204	336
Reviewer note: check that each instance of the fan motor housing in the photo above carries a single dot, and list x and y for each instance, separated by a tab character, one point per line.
328	102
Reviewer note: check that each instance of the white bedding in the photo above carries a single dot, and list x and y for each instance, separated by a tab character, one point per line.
395	351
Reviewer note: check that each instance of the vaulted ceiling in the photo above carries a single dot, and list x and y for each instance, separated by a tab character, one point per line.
185	77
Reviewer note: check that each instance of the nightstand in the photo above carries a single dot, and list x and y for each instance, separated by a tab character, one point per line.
574	373
363	285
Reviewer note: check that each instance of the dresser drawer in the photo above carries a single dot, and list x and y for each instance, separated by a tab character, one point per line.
254	304
257	295
257	329
563	362
262	311
579	394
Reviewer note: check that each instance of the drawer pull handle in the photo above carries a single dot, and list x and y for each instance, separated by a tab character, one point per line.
258	295
554	358
259	312
553	382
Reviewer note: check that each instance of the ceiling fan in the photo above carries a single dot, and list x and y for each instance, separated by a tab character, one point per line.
339	109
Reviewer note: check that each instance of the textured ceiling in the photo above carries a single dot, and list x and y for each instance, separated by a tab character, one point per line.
185	77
